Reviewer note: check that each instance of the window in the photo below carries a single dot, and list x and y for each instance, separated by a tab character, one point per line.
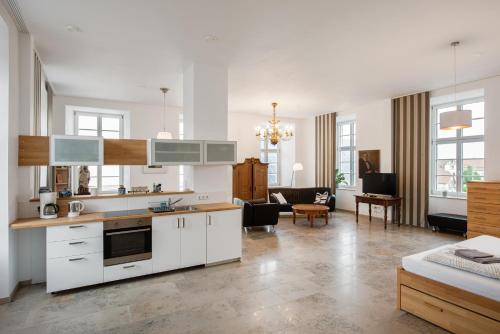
271	154
110	126
457	155
346	151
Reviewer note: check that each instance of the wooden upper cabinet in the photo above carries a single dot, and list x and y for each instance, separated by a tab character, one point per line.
33	151
125	152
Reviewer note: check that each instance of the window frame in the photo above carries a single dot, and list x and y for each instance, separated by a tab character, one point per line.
99	115
458	140
266	150
351	148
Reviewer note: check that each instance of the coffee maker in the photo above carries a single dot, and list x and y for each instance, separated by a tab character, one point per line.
48	207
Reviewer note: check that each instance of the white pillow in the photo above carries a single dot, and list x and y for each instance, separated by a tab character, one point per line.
321	198
280	198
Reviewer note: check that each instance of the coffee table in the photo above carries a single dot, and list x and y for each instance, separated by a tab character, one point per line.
311	211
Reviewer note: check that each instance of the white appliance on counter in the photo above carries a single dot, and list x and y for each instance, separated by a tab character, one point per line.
48	206
75	207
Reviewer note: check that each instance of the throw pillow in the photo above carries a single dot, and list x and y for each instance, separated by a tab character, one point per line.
280	198
321	198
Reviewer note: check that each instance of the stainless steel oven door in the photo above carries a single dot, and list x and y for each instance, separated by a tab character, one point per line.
127	241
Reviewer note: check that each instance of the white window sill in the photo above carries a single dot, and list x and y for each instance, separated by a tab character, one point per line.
464	198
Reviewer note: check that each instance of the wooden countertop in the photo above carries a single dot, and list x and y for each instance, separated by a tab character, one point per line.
27	223
111	196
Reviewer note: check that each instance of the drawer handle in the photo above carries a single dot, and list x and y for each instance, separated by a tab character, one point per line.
434	306
76	243
128	267
76	259
77	226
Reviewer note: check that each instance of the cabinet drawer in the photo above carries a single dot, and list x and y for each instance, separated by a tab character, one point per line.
483	197
448	316
73	247
483	207
127	270
484	229
74	271
74	231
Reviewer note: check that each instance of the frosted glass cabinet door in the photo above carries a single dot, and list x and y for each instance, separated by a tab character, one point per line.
76	150
175	152
220	152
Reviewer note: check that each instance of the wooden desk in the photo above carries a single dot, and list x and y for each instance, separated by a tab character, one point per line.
394	202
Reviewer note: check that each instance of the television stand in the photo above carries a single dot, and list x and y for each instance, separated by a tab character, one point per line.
394	202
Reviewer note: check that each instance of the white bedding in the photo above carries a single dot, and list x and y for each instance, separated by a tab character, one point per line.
480	285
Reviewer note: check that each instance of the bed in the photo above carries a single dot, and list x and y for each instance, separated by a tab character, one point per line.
455	300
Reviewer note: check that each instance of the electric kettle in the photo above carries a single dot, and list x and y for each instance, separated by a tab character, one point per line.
75	207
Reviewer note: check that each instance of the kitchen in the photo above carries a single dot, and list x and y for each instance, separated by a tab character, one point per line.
122	235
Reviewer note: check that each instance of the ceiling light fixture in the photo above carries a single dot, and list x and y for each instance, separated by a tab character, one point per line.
459	118
164	134
273	131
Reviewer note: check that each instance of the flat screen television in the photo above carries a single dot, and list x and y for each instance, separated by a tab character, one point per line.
380	184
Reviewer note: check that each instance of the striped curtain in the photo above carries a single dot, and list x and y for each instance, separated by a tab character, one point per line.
410	155
325	151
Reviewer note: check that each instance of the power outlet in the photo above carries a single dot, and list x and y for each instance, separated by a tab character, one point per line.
202	197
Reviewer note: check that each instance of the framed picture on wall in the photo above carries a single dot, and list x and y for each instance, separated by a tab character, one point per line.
369	162
155	169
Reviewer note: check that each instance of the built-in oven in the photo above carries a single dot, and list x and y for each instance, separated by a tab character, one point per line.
127	240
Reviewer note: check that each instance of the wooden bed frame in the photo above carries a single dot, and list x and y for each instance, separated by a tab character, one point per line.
451	308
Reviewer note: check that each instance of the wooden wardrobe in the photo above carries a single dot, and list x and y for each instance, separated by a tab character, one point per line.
250	179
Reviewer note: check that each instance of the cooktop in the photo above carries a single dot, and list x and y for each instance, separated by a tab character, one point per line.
110	214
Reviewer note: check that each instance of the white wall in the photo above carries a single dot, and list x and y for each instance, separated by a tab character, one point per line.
373	132
145	122
9	102
491	88
299	149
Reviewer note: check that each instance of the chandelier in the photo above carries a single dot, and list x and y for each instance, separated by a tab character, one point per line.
273	132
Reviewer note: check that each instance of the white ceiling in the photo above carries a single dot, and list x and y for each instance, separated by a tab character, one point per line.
310	56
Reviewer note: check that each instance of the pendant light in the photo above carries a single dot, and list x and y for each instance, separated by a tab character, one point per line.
455	119
164	134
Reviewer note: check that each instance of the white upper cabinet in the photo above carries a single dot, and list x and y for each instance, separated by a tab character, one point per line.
220	152
175	152
76	150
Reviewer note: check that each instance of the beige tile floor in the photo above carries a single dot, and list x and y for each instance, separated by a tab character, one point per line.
338	278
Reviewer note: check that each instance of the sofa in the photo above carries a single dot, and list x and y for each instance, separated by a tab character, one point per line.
301	196
260	213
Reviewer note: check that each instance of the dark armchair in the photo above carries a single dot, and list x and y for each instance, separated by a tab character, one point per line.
260	213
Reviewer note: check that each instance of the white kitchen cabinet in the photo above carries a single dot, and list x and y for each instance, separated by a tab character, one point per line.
219	152
74	231
223	235
128	270
74	247
193	239
74	271
67	150
166	243
74	256
179	241
171	152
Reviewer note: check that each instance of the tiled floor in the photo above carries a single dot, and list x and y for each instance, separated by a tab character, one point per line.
338	278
